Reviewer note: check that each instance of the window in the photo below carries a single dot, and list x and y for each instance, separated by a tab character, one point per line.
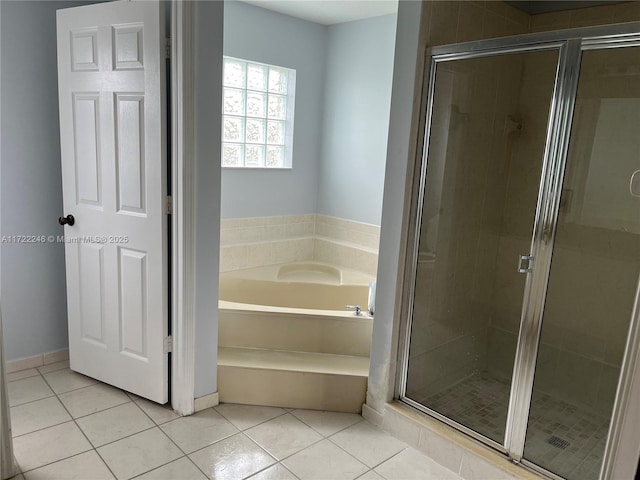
257	115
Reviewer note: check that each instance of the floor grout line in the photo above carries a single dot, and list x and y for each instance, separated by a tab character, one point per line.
378	428
81	430
187	454
158	425
262	470
252	426
77	418
160	466
362	419
31	401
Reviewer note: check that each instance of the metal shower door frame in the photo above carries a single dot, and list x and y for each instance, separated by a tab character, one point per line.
570	44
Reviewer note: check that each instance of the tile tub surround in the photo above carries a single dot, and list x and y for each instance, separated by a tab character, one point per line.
128	437
260	241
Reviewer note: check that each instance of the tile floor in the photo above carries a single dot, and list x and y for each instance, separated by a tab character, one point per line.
563	438
68	426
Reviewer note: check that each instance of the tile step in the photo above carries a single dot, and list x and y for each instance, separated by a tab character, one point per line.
302	362
292	379
295	331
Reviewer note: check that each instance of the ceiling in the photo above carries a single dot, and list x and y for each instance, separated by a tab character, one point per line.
329	12
536	7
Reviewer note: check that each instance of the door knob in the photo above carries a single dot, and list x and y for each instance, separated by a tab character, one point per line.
68	220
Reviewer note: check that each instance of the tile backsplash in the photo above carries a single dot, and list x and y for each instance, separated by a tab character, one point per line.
260	241
235	231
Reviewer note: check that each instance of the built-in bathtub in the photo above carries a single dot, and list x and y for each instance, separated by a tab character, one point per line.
286	338
300	285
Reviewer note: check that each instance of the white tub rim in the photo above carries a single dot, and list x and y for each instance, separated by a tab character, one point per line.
348	277
224	305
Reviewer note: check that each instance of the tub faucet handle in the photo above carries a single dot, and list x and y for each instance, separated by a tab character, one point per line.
357	308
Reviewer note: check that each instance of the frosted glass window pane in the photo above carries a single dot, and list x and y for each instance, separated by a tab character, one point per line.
256	104
257	108
254	156
275	156
277	107
275	132
257	77
277	80
234	73
255	131
231	155
233	129
233	101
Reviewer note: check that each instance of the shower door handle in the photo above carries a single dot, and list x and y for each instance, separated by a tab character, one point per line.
525	264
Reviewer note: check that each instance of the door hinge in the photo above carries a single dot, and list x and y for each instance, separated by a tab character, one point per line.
167	48
168	344
169	206
525	264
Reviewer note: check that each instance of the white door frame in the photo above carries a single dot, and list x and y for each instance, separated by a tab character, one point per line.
183	193
7	462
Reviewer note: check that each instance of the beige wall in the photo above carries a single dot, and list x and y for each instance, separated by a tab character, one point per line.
586	17
595	270
462	211
517	210
462	21
596	261
486	195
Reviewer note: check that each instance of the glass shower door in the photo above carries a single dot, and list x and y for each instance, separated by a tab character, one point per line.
485	154
594	271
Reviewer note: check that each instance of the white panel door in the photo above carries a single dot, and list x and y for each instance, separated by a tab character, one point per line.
111	74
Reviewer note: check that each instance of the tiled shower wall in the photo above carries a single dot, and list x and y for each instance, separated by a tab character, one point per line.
476	328
586	17
451	322
260	241
582	364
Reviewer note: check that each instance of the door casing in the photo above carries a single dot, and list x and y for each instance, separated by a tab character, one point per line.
182	157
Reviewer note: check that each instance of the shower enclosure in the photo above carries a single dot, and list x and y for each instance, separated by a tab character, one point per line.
525	254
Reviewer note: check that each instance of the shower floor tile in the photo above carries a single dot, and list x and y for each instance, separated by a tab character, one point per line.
479	402
563	438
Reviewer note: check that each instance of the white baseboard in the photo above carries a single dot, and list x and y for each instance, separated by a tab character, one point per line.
37	360
205	402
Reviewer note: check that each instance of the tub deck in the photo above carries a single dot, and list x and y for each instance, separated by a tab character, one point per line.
303	285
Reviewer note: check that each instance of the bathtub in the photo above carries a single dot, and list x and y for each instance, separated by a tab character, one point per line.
300	285
285	338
